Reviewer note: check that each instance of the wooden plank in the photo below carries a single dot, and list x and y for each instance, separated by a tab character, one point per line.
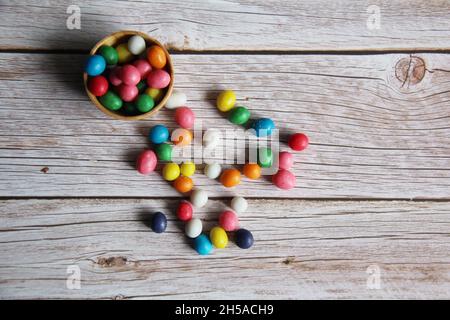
303	250
232	25
373	135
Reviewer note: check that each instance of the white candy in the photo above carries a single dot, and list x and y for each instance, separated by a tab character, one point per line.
199	198
212	170
136	44
193	228
239	204
177	99
211	138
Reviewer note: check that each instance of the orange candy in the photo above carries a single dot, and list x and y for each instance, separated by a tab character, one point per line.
181	137
230	178
183	184
157	57
252	170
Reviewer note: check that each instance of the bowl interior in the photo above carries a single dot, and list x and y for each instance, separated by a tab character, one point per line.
114	40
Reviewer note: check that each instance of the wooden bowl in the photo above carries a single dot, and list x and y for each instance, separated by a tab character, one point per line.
115	39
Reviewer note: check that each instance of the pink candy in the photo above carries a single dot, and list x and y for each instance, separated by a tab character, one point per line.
130	75
228	220
284	179
127	93
114	76
143	67
146	162
185	117
286	160
158	79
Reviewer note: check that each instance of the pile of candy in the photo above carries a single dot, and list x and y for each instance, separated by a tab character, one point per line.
137	78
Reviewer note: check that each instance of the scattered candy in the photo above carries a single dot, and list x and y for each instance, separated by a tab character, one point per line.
98	85
239	204
146	162
199	198
157	57
159	222
158	79
265	157
263	127
202	245
230	178
187	168
244	238
164	151
109	54
228	220
185	117
185	211
159	134
171	171
239	115
226	100
211	138
95	65
136	44
177	99
181	137
183	184
111	101
143	67
298	141
252	171
212	170
286	160
124	54
218	237
284	179
144	103
193	228
127	93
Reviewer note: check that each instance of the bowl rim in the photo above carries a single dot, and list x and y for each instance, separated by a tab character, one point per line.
118	35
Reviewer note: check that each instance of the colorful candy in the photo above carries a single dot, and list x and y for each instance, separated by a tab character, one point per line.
98	85
185	211
109	54
226	100
143	67
127	93
263	127
144	103
183	184
212	170
185	117
171	171
157	57
111	101
124	54
230	178
286	160
136	44
199	198
181	137
298	141
187	168
159	222
158	79
284	179
193	228
159	134
244	238
164	151
146	162
95	65
218	237
202	245
177	99
228	220
115	77
252	171
130	75
239	204
265	157
239	115
156	94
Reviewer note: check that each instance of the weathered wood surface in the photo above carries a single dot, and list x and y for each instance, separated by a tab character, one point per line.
232	25
375	133
304	249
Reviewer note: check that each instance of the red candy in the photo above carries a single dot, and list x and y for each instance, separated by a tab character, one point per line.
127	93
114	76
185	117
143	67
285	160
298	141
98	85
146	162
284	179
228	220
185	211
130	75
158	79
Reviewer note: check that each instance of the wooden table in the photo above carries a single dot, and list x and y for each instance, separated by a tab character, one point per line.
369	217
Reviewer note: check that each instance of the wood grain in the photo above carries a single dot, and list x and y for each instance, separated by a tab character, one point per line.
303	249
376	132
232	25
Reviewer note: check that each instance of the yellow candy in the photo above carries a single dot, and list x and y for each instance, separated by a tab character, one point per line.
171	171
226	100
124	54
187	169
218	237
156	94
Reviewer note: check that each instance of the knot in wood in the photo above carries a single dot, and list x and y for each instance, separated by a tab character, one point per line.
410	71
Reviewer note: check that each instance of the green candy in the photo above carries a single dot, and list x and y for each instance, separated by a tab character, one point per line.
164	151
141	86
110	54
144	103
111	101
265	157
129	108
239	115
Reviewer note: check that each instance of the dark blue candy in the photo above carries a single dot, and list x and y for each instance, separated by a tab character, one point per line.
263	127
158	134
203	245
159	222
244	238
95	65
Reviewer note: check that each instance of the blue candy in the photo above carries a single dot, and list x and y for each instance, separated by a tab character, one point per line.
203	245
158	134
159	222
244	238
263	127
95	65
